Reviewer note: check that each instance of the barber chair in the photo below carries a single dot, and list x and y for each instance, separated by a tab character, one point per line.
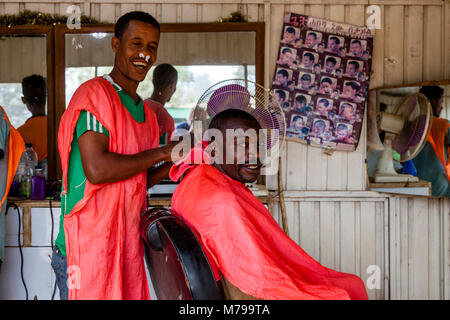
177	265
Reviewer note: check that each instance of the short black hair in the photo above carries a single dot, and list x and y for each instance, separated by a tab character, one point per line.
290	30
309	55
306	77
326	80
313	33
286	50
295	118
336	39
281	93
356	41
354	85
219	120
34	89
284	73
122	23
327	103
301	98
164	75
356	64
432	92
332	60
321	122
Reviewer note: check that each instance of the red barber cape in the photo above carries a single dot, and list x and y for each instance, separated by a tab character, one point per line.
244	243
104	249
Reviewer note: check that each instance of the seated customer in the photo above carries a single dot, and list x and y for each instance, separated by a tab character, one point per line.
165	83
34	130
245	246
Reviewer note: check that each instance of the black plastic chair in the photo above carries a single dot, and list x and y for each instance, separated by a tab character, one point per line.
177	265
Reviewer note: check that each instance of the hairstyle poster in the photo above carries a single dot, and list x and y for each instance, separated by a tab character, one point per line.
321	80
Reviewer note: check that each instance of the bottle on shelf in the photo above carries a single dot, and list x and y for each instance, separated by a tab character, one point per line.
25	184
37	185
31	155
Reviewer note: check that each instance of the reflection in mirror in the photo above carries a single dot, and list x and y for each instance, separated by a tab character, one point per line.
200	58
23	92
392	96
428	134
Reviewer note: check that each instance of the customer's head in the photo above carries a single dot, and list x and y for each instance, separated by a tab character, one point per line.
435	94
165	78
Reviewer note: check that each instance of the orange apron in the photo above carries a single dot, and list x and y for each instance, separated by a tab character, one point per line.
104	250
15	150
436	138
34	130
243	242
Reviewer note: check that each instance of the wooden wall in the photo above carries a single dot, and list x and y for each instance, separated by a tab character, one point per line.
413	45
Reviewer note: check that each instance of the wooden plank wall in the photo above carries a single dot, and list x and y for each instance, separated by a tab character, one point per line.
407	238
413	45
419	248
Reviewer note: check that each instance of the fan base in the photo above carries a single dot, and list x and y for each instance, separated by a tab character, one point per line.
395	178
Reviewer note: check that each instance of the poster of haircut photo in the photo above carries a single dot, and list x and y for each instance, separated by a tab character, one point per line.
321	80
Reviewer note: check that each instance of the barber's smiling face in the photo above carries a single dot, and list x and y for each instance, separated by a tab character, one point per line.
140	38
250	169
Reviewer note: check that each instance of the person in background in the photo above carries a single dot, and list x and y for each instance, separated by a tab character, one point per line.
11	149
34	130
164	80
432	162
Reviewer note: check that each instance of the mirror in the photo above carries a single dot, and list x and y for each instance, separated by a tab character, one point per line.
426	164
24	87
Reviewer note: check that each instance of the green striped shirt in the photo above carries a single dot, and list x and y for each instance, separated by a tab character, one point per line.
76	179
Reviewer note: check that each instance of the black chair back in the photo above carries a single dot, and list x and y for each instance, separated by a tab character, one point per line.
177	265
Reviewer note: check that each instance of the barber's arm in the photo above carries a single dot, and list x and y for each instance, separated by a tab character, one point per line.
102	166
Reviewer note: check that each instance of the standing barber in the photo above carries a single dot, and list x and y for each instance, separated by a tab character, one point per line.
107	140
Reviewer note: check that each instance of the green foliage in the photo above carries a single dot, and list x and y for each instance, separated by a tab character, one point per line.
28	17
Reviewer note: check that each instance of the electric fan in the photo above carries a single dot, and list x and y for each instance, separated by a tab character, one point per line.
247	96
406	128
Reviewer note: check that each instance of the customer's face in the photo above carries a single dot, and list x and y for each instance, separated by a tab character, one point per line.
247	169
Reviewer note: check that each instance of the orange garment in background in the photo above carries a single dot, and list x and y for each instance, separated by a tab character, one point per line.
246	245
104	249
34	131
165	120
436	138
15	149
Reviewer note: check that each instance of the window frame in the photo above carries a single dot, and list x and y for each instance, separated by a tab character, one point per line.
48	32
